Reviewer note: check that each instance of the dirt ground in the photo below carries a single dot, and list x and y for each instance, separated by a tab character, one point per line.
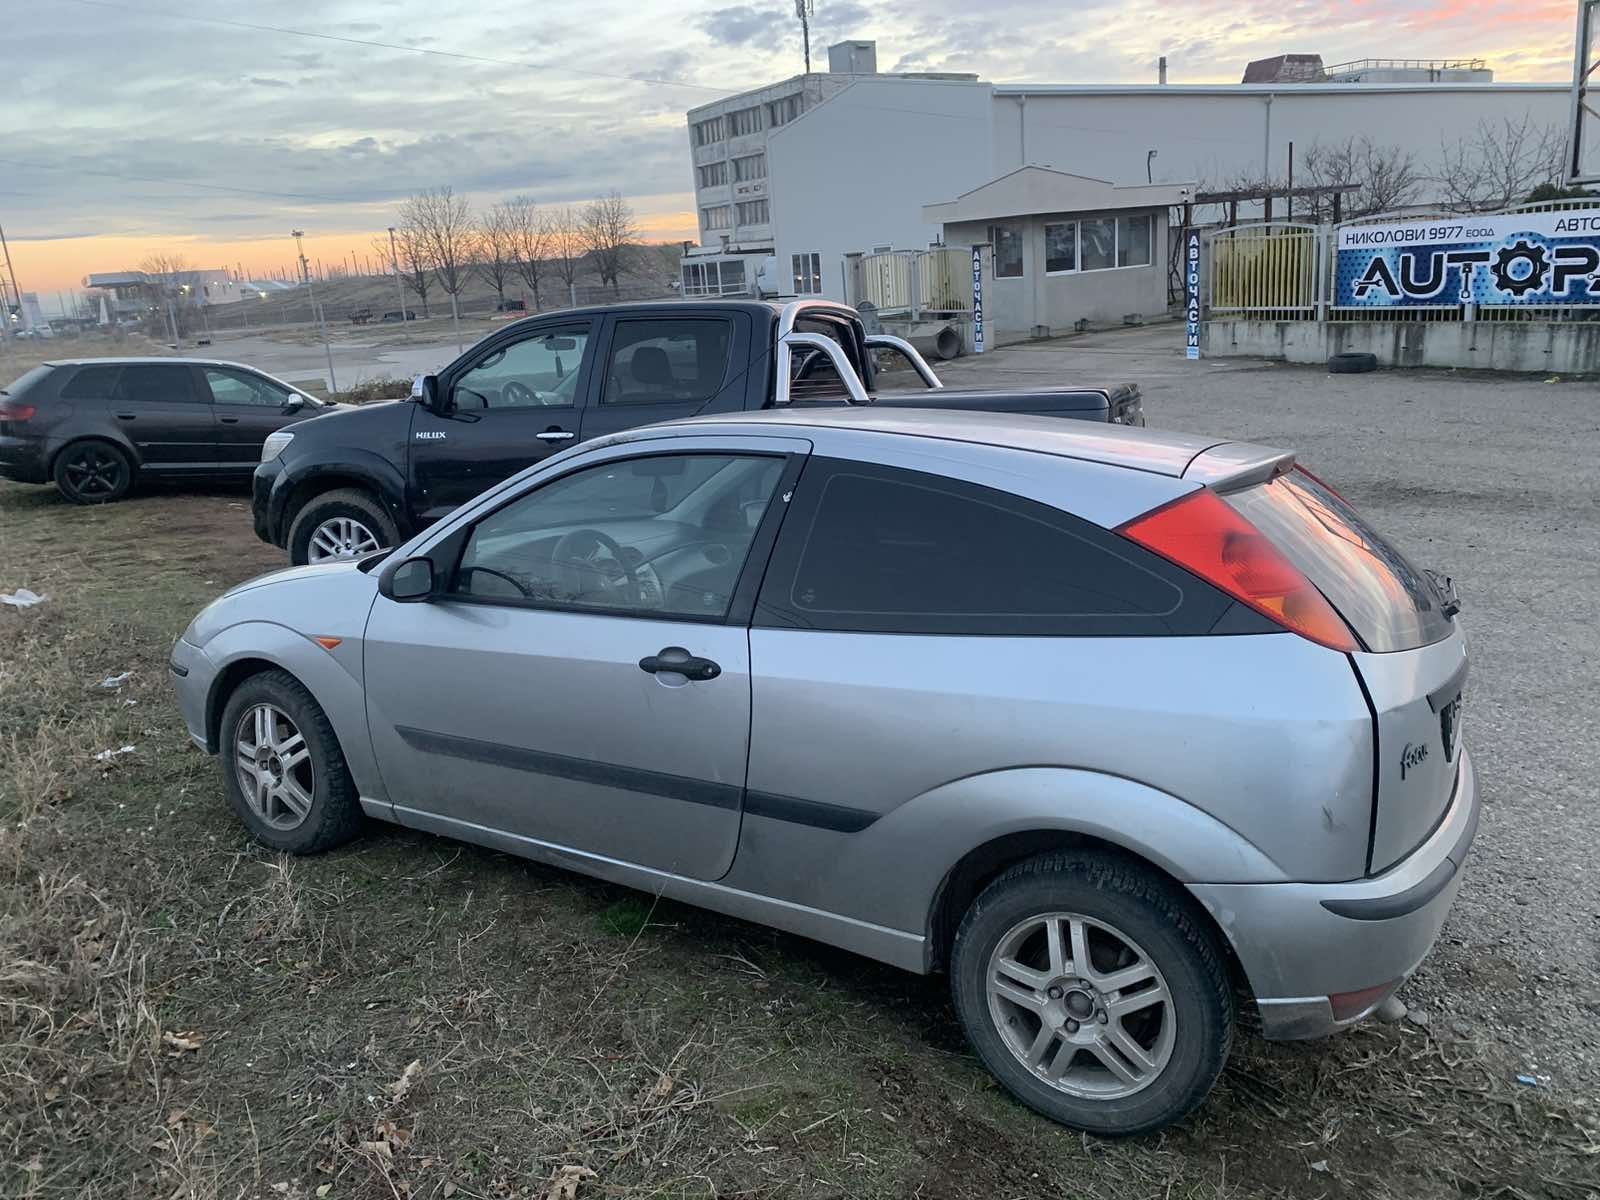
185	1015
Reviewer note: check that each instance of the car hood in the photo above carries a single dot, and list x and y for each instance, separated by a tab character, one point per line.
290	574
314	599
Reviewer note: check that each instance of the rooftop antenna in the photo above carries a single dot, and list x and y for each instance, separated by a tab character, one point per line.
805	10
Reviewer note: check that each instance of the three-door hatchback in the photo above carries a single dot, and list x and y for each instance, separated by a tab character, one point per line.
1100	721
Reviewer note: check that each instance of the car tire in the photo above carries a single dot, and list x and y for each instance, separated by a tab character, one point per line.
348	516
1353	363
1180	1019
93	471
292	743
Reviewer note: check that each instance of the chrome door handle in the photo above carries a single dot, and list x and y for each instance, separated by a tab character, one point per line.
555	435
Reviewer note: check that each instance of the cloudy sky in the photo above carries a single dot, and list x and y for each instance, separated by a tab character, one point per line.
131	126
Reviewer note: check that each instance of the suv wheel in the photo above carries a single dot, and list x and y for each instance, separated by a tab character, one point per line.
1092	990
93	472
282	767
343	524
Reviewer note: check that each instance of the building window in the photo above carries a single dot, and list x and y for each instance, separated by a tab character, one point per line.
708	133
807	273
781	112
1007	241
1060	247
753	167
718	217
753	212
714	174
745	121
1098	243
1133	241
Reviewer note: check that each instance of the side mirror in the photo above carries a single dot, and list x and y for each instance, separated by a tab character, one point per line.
408	582
426	387
294	404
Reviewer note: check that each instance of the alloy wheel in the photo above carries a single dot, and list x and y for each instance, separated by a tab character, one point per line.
276	774
341	537
95	472
1081	1005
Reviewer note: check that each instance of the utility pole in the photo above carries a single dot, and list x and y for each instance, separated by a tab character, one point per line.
12	271
399	288
333	384
804	10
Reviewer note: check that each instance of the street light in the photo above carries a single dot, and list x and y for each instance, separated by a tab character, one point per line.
297	234
399	290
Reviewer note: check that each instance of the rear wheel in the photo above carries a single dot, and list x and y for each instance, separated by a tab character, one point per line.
342	524
93	472
1093	992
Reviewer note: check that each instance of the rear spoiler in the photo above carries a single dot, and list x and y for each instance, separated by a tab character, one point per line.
1229	466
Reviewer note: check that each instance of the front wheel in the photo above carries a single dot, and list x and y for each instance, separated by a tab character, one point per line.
347	523
1093	991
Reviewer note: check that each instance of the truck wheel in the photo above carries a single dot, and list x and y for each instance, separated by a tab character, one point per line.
1353	363
1092	990
342	524
93	472
282	767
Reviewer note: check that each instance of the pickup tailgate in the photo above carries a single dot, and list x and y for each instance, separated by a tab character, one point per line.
1413	659
1120	404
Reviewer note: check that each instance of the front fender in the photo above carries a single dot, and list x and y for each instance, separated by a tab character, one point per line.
371	470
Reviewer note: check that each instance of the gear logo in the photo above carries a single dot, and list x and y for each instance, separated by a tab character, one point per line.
1508	280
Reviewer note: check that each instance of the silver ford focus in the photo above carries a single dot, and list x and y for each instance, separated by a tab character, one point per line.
1110	725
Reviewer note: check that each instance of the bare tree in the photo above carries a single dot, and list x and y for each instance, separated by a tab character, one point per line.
443	221
530	237
497	248
609	234
564	230
1387	177
415	264
162	270
1498	165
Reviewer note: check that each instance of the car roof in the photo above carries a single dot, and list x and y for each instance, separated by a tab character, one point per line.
1161	452
124	360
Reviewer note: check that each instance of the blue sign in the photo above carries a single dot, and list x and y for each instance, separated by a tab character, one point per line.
1510	259
1191	293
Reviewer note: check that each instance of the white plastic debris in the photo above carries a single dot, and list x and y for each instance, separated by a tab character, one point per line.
112	682
108	755
22	598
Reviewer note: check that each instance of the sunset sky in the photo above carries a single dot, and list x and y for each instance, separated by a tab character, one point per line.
131	127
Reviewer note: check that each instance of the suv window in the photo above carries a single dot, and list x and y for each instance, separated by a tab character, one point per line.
540	371
91	383
665	535
667	362
241	387
151	384
878	549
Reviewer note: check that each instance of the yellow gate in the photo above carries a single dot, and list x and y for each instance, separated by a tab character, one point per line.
1269	271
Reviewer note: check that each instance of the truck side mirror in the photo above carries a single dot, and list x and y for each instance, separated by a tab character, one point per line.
426	389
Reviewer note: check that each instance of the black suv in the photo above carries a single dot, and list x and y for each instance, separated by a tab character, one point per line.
94	425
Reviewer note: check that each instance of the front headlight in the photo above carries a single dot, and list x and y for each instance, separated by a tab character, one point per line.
275	445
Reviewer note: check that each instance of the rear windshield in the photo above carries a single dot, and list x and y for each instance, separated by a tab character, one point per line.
24	381
1388	602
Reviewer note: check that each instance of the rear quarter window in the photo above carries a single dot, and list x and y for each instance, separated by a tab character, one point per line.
1388	603
91	383
27	380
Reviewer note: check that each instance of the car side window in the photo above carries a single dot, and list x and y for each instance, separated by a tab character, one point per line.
540	371
149	383
879	549
667	362
664	535
241	388
91	383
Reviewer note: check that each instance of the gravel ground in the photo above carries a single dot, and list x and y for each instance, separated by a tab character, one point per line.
1492	479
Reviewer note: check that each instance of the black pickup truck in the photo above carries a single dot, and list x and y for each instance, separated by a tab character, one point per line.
352	482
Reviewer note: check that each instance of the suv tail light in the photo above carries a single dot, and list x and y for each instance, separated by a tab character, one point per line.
17	412
1202	534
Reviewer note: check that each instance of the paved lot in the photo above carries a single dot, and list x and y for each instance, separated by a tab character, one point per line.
1493	480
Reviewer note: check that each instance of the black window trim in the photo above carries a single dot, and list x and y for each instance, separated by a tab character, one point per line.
615	324
745	590
470	362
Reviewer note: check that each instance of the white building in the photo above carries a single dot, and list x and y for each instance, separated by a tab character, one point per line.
797	175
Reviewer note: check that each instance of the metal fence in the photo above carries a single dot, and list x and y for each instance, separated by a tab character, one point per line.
933	282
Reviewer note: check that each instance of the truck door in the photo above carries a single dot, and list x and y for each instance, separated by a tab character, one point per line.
666	367
512	403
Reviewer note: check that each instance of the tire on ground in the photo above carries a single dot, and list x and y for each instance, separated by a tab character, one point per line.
335	815
345	502
59	472
1352	363
1163	921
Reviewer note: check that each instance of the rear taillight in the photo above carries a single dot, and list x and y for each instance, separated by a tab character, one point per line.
1204	535
17	412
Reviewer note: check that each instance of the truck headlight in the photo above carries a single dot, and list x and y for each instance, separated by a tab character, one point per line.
275	445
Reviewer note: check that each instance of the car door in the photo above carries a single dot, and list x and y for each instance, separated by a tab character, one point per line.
161	409
660	368
247	407
581	679
512	403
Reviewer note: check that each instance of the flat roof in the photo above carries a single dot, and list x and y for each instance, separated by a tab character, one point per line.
1261	89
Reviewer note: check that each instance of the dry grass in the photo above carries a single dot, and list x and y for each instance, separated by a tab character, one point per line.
185	1015
23	356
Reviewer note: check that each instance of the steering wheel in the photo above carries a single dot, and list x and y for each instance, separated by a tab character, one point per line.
574	557
518	393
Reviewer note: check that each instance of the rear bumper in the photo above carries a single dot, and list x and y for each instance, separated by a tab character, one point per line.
1305	947
23	460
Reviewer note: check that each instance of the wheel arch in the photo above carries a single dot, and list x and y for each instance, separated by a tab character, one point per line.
228	681
73	439
361	470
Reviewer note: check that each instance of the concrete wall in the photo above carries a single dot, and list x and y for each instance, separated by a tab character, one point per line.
1013	307
1566	348
854	172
